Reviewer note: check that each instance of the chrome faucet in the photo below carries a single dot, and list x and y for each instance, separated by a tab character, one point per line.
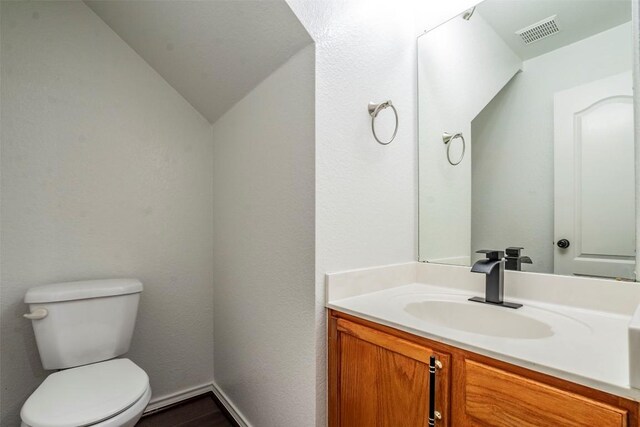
493	267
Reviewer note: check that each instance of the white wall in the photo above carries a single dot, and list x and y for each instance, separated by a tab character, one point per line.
264	248
106	172
365	192
635	19
462	65
513	145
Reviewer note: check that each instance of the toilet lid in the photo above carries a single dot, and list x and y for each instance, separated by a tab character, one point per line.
85	395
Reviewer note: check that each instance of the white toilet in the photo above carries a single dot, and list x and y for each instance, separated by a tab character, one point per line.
81	327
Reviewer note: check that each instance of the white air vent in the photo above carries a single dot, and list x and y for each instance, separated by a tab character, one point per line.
540	30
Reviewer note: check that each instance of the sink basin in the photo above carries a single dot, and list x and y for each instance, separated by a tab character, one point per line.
479	319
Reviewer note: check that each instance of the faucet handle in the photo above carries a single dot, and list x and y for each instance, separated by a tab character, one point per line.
491	254
514	251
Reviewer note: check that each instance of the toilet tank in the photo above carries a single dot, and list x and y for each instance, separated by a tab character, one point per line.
77	323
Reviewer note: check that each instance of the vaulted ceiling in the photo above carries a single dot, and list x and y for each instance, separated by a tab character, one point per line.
212	52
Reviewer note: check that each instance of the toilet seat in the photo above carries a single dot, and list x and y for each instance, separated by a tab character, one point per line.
90	395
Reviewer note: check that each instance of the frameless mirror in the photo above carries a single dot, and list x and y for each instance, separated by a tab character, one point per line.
526	137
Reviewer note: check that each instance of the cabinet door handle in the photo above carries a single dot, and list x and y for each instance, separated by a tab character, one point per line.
433	414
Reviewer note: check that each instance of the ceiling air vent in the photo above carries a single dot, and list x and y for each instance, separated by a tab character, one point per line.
538	31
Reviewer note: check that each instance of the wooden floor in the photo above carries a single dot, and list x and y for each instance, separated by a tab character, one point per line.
197	412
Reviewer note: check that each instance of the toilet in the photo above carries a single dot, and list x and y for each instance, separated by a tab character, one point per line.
81	329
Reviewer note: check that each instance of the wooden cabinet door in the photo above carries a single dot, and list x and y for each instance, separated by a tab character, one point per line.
382	380
493	397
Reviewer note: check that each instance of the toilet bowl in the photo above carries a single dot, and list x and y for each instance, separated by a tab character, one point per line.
82	329
127	418
106	394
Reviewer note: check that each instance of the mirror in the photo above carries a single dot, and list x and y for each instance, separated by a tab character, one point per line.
526	137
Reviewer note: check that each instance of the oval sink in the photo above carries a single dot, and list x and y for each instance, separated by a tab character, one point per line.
480	319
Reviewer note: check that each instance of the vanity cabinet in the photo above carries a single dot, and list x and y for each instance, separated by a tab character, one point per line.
497	397
384	380
379	376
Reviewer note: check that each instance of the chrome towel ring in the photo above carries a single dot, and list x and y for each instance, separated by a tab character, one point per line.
374	109
447	138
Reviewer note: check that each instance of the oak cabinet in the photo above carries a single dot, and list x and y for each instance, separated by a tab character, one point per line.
497	397
385	380
379	376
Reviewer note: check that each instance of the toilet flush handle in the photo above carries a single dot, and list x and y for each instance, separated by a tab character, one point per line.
37	314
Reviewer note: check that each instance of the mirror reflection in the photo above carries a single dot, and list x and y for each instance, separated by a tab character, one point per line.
526	137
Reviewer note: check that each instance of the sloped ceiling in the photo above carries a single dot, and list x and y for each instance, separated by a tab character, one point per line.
577	20
212	52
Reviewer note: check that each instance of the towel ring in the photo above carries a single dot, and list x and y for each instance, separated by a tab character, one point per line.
374	109
447	138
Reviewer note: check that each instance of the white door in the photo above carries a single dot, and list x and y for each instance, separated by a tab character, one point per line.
595	179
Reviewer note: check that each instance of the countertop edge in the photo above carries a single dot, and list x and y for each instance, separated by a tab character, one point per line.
628	393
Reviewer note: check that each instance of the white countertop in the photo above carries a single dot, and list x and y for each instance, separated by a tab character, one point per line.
586	346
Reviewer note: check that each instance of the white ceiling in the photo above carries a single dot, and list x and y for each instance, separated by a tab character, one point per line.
577	20
212	52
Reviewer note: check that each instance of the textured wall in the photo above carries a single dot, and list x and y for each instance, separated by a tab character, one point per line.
635	20
106	172
264	248
365	192
513	188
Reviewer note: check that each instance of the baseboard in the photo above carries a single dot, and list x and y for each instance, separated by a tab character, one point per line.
231	408
161	402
